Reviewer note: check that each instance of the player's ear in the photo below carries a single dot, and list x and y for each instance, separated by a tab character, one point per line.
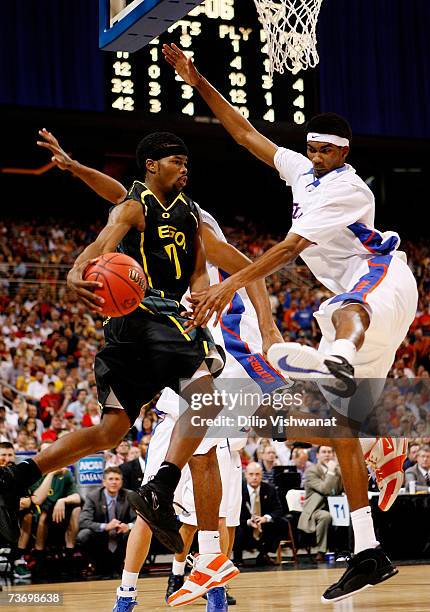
345	152
151	166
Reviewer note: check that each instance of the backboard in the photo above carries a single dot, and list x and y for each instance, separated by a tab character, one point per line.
129	25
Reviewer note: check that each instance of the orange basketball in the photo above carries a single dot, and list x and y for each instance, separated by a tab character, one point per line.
124	283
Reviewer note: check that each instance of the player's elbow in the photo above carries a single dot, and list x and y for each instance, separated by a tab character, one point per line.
244	136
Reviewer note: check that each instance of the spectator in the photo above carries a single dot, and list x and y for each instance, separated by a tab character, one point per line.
54	429
133	453
78	407
299	458
411	459
132	471
420	473
120	454
106	521
21	440
37	389
92	414
321	480
51	400
260	518
69	422
268	461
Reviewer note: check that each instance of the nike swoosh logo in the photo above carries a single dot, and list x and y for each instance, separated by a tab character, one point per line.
282	363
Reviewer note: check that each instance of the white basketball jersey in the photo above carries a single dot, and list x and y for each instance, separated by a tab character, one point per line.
336	212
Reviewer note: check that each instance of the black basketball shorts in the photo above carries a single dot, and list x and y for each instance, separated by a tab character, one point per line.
146	351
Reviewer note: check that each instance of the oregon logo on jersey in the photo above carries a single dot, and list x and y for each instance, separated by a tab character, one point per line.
166	249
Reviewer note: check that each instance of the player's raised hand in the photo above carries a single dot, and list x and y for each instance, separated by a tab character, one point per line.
184	66
59	156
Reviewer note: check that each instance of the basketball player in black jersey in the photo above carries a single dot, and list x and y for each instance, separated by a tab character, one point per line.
146	350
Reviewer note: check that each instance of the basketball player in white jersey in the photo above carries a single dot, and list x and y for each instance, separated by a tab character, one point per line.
362	326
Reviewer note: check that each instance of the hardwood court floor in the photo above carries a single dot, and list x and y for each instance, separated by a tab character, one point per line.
295	591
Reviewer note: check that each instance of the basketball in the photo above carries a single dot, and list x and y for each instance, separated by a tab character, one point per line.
124	283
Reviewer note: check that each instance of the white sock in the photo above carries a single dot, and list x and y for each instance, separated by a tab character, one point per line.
364	532
366	444
344	348
129	580
178	568
209	542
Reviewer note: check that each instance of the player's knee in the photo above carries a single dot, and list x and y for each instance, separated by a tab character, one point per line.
109	435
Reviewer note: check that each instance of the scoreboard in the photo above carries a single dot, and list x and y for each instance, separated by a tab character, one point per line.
228	45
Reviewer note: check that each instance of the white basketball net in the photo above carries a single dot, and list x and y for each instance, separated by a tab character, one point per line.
290	27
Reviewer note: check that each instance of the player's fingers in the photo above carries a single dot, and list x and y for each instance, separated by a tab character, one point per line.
179	51
89	295
170	61
89	286
45	145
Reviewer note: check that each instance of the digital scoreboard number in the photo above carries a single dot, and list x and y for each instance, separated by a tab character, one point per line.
228	45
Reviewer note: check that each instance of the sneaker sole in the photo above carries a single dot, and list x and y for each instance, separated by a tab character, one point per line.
169	538
217	583
384	576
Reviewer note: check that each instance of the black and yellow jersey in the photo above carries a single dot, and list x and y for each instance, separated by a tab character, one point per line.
166	249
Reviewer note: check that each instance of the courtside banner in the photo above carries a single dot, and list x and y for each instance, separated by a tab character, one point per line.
232	408
90	470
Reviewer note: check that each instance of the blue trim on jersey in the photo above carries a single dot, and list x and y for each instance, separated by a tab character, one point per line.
317	181
254	364
372	240
378	267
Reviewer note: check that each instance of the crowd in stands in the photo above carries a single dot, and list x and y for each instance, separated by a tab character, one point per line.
49	340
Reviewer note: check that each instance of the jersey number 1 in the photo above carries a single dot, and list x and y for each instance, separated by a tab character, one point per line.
173	256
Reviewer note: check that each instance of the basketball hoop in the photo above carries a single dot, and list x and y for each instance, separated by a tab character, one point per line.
290	27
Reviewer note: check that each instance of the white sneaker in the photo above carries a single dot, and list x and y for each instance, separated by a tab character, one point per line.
209	570
300	362
386	458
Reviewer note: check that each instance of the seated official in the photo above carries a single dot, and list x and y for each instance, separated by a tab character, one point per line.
132	471
261	524
321	480
420	473
105	522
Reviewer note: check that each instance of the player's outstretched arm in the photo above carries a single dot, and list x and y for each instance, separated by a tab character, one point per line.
240	128
104	185
226	257
216	298
121	219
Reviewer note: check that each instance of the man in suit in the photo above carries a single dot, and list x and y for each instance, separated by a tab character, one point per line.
260	517
132	471
105	522
321	480
420	473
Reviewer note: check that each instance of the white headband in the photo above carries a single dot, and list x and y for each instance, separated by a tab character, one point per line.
331	138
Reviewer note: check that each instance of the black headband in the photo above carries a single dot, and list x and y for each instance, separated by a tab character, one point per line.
168	151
